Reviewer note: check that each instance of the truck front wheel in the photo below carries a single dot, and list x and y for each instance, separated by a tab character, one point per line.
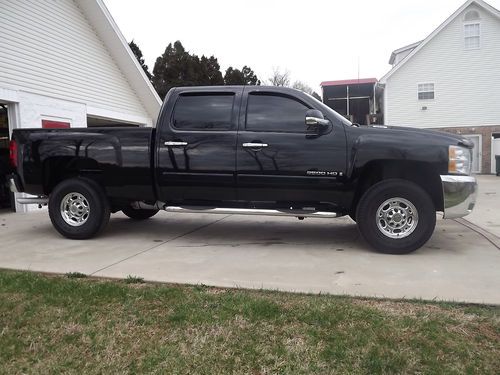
78	208
396	216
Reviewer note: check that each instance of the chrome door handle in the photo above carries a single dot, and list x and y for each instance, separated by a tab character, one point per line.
254	145
175	144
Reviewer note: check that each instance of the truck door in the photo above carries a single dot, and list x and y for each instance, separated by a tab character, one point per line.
278	158
196	152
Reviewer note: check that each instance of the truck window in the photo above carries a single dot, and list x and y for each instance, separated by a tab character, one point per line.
204	112
275	113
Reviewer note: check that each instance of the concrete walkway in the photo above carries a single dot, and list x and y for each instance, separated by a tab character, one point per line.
487	212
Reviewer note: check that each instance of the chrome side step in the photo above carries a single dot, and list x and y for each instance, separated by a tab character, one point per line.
251	211
34	200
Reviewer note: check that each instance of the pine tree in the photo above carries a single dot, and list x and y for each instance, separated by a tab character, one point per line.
246	76
173	68
177	67
138	55
210	71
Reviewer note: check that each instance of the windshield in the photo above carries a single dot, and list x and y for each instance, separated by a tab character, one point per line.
330	112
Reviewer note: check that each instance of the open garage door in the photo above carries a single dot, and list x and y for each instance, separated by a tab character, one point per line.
495	150
97	122
6	197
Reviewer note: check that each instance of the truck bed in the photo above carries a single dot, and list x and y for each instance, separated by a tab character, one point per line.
119	158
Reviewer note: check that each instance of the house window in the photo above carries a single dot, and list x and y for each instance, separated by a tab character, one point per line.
471	15
425	91
472	35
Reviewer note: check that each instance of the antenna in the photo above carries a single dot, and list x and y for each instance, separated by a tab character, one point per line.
358	68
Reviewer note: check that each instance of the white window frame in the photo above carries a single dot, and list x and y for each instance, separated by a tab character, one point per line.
419	91
469	23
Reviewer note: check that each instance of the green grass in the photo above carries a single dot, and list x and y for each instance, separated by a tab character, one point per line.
75	275
51	324
133	280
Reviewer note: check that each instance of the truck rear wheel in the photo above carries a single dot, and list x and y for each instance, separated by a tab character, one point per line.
78	208
136	214
396	216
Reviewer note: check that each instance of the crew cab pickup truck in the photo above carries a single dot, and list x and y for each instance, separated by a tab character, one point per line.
249	150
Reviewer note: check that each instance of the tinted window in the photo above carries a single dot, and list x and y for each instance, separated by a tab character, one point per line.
203	112
274	113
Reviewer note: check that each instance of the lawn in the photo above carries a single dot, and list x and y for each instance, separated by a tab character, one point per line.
55	324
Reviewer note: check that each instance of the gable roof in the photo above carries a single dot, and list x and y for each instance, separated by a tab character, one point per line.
422	44
402	49
107	30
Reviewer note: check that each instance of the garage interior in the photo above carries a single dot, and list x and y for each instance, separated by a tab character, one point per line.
6	197
99	122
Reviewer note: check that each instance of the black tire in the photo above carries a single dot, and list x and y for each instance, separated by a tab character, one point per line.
136	214
93	222
373	229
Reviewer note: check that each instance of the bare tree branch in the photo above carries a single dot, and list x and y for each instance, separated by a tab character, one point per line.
280	78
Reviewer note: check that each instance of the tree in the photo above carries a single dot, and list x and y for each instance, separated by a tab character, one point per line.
299	85
210	73
317	96
138	55
175	67
245	76
280	78
249	76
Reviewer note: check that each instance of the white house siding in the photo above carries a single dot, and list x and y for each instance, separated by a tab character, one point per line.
467	82
50	49
400	56
34	108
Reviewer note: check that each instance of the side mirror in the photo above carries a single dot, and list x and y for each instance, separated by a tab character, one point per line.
314	117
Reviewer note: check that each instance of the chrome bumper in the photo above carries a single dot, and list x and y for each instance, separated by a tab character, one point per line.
459	194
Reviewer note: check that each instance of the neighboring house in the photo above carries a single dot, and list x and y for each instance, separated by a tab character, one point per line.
65	63
450	81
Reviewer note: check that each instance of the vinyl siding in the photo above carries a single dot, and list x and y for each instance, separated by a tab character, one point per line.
49	48
467	82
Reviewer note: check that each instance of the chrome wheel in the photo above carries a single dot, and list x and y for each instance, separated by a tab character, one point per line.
397	218
75	209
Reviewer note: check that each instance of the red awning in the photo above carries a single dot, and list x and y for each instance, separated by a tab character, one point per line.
345	82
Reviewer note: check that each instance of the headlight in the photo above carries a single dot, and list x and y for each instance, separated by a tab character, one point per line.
459	160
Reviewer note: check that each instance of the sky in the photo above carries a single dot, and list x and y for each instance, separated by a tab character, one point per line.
315	40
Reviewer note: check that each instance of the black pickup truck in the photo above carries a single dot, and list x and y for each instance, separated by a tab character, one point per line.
249	150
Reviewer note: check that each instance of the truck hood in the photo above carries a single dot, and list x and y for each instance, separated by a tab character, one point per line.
420	134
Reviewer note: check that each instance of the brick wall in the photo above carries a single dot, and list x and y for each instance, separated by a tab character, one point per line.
486	132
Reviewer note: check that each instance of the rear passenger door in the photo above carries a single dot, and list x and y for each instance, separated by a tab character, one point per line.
197	145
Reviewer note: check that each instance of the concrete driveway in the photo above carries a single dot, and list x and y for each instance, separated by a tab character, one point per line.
314	255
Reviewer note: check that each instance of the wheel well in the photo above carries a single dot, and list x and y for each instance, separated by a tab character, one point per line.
421	173
56	170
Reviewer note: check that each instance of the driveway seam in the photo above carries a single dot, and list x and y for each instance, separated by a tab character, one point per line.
160	244
492	238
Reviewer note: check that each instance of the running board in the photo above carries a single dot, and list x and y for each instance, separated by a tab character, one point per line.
37	200
251	211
